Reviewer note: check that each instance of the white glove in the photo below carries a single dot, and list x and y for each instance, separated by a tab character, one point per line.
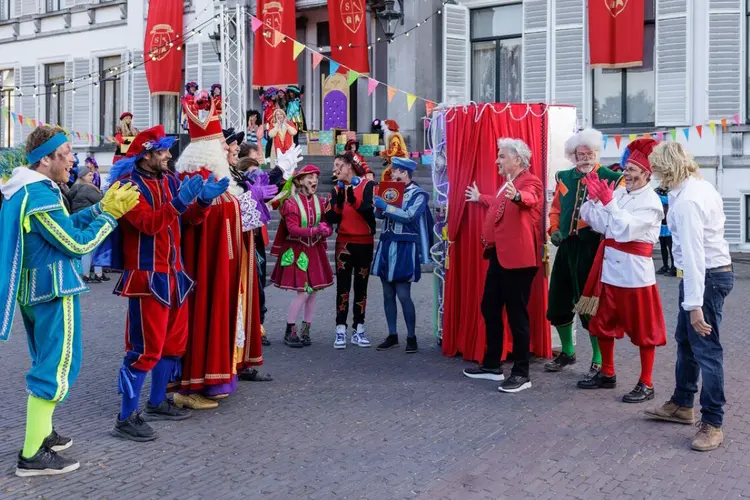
288	161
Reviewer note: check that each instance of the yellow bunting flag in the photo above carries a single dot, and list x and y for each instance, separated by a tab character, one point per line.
633	137
297	50
28	121
391	92
351	77
410	98
712	125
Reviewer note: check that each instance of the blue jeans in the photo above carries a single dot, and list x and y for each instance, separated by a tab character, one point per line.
697	355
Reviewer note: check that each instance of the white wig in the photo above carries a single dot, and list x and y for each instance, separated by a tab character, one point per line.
518	148
588	137
210	155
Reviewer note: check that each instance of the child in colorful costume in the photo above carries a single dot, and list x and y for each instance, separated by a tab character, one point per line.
188	102
577	243
216	96
294	107
41	250
404	245
395	147
300	247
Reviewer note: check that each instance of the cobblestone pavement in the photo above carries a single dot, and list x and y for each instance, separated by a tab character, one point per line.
384	425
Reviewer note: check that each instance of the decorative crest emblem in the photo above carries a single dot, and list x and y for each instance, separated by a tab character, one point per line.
272	18
391	195
615	7
352	14
161	36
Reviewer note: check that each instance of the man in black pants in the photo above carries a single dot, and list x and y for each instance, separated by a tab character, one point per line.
352	210
665	237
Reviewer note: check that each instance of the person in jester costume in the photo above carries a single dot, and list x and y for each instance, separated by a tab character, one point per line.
577	244
40	251
300	247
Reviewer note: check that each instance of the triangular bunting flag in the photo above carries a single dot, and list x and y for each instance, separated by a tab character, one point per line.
351	77
372	84
604	139
633	137
278	37
647	136
736	119
5	111
686	131
712	126
297	50
724	124
391	92
660	136
33	123
20	119
255	23
316	58
334	68
673	133
28	121
699	128
429	106
410	98
618	138
78	135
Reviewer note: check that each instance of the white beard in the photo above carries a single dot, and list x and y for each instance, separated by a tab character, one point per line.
211	156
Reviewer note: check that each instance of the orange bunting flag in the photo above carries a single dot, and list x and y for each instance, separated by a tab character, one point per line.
647	136
618	138
391	92
699	128
429	106
724	124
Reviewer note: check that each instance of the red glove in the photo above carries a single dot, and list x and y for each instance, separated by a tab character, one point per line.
592	183
606	192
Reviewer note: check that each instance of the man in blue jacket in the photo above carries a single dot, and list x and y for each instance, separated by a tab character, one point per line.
41	246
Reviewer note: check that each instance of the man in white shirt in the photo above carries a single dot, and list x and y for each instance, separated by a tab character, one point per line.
696	219
621	295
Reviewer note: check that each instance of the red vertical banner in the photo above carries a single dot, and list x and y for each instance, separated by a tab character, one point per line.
616	33
348	29
273	61
163	35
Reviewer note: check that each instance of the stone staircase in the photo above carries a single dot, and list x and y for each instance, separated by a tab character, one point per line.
422	176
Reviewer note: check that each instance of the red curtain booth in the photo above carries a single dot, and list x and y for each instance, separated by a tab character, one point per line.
471	145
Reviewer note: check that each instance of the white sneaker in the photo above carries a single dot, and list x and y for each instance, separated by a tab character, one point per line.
340	340
360	338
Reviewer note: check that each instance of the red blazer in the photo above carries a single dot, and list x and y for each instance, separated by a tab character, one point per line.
514	228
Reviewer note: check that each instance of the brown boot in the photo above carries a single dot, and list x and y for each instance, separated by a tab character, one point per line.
671	412
708	437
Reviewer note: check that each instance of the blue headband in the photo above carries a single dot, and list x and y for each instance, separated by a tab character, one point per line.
48	147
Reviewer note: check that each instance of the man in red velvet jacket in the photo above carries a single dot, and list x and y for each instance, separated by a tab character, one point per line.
513	246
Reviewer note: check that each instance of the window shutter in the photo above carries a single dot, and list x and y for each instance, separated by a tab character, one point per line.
534	66
210	67
17	128
724	58
192	62
69	96
124	82
140	104
82	100
569	49
456	61
733	224
26	104
672	61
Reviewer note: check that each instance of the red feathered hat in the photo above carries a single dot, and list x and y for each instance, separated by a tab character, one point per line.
207	129
126	113
152	139
639	151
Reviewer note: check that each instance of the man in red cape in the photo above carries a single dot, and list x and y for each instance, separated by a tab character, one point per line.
224	312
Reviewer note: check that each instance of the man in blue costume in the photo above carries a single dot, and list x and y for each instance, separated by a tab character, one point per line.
41	248
403	247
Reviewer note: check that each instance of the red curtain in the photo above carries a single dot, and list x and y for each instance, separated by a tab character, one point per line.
616	34
163	63
348	29
471	143
273	58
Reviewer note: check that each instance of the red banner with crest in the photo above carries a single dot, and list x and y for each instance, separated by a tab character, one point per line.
348	24
616	33
163	63
273	61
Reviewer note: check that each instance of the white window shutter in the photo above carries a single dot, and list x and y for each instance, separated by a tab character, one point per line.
17	128
26	104
569	48
456	59
69	96
733	223
210	66
192	62
124	82
82	100
140	103
672	63
534	66
725	41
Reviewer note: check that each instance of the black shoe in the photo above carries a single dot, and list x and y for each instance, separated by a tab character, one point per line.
593	370
305	334
390	342
290	337
515	383
483	373
104	278
640	394
166	410
672	272
45	463
561	361
662	270
598	381
56	442
411	345
253	375
264	340
134	428
94	279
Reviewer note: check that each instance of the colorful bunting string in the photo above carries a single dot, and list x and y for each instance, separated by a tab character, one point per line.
32	123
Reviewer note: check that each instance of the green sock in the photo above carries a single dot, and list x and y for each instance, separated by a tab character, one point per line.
38	424
566	338
596	354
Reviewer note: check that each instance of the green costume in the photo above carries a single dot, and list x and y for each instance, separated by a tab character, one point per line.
577	246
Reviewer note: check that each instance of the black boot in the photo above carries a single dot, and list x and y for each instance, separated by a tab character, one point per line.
411	345
390	342
290	337
561	361
640	394
598	381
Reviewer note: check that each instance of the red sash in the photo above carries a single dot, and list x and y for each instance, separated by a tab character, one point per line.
589	302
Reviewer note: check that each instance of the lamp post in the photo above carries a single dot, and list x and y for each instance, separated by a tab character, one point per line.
389	17
215	38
